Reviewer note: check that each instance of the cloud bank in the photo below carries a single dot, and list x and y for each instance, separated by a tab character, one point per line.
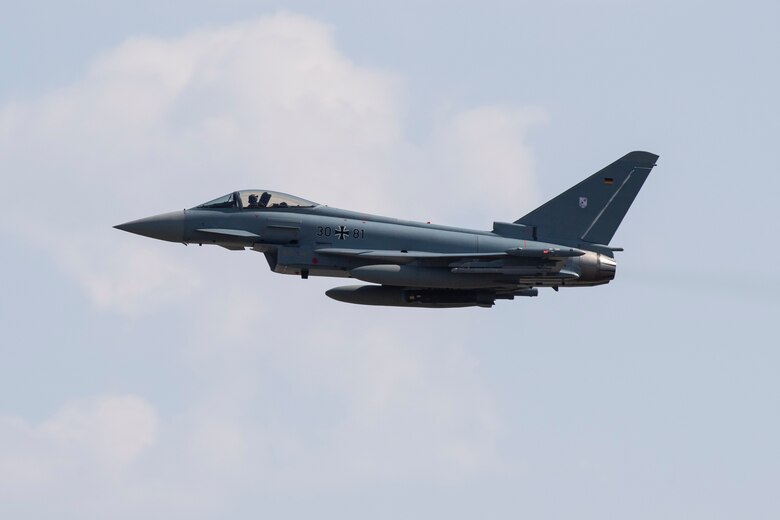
159	124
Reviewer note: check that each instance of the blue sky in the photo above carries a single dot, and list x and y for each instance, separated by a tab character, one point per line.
151	379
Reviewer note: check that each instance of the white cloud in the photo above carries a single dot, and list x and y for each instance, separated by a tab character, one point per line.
315	400
421	407
116	428
130	279
101	435
159	124
390	412
291	392
489	162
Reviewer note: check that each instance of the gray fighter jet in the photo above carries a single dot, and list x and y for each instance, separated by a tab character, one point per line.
563	243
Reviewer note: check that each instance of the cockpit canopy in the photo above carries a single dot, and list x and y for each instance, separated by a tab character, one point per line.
257	199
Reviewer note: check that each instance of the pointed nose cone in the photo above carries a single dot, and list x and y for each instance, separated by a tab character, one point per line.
168	226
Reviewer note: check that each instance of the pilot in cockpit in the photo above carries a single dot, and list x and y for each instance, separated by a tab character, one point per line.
252	201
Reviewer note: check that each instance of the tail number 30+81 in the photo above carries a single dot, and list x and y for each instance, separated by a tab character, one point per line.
340	232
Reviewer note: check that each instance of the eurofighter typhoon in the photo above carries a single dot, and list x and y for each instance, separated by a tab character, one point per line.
563	243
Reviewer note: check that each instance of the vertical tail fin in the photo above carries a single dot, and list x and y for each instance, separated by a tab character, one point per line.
593	209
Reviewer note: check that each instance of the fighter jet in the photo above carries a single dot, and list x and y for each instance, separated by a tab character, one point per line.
562	243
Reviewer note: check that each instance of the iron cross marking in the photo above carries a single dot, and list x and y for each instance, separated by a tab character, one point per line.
341	232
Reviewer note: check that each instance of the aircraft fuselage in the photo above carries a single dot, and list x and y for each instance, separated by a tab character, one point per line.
562	243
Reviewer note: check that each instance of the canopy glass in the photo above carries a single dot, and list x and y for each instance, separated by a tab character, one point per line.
257	199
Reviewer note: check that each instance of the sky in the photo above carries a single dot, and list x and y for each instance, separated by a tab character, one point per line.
148	379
